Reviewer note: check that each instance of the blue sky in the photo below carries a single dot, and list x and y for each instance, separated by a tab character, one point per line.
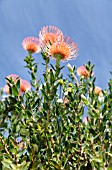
87	22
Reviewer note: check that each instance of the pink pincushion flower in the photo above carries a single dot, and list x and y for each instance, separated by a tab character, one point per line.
82	71
98	91
14	77
49	34
65	47
31	44
6	89
24	85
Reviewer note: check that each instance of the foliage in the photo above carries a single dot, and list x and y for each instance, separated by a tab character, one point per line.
44	128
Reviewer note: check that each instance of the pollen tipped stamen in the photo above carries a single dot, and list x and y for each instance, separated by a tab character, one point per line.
31	44
49	34
68	51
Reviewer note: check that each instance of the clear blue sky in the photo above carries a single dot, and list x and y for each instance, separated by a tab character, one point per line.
87	22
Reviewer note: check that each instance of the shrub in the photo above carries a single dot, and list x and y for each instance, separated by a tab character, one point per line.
44	128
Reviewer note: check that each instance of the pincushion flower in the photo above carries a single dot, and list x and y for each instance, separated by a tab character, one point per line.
82	71
49	34
98	91
6	89
24	85
31	44
14	77
66	49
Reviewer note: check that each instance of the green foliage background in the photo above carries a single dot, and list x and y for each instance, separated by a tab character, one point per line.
45	126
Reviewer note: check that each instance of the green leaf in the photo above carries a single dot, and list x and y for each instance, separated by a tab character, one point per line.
19	154
110	154
70	68
51	77
35	68
6	163
23	166
110	166
14	167
97	159
55	164
53	67
84	99
14	91
18	83
45	106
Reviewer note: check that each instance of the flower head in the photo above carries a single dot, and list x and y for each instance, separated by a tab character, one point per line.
65	48
82	71
24	86
98	91
14	77
31	44
6	89
49	34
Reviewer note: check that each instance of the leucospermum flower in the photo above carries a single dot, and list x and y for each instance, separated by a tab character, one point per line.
65	48
31	44
98	91
82	71
49	34
6	89
24	85
14	77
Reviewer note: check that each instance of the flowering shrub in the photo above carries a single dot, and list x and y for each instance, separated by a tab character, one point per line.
42	125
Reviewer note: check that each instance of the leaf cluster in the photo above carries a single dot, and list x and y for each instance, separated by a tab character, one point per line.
45	128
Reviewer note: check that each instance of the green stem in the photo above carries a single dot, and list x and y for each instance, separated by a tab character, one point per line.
58	58
47	71
48	115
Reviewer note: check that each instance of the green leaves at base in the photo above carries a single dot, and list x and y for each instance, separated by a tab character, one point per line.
8	165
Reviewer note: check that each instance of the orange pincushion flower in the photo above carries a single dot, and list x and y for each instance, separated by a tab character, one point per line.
66	48
24	86
31	44
49	34
82	71
98	90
